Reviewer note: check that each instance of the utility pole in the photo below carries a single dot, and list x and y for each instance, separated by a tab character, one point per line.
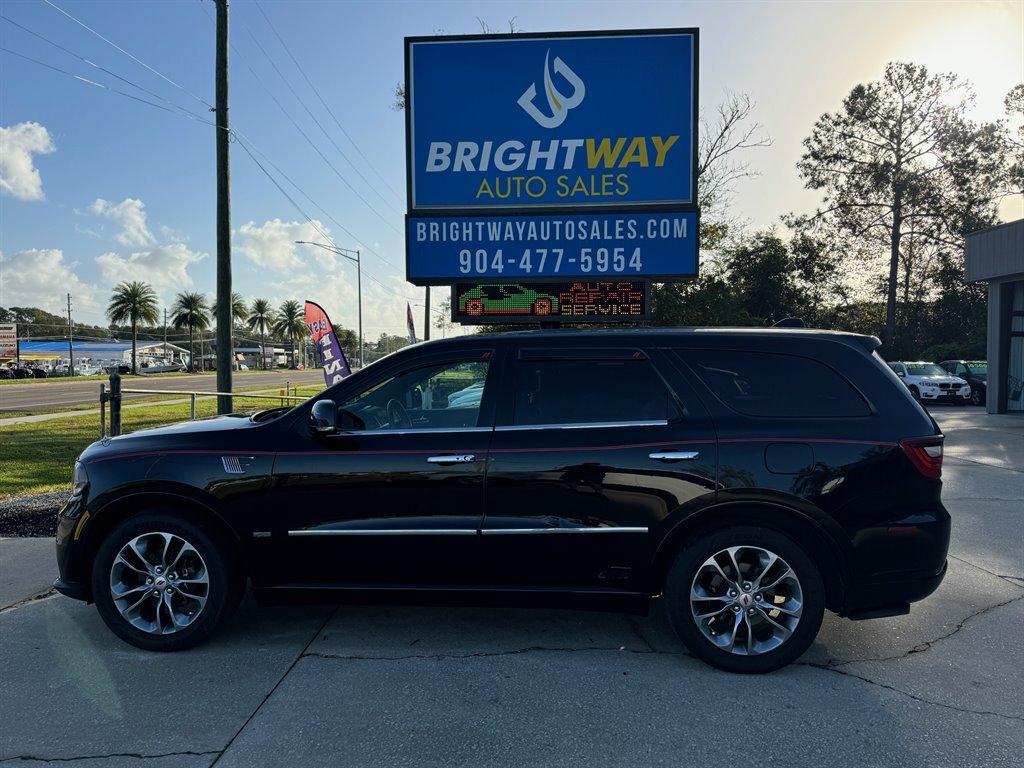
426	316
224	319
165	335
71	341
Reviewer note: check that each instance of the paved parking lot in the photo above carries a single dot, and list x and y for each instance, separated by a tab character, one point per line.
487	687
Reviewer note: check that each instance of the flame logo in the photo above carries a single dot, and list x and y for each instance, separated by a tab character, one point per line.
558	103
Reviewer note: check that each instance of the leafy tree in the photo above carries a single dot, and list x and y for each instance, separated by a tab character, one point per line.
133	301
901	167
239	315
348	340
290	323
259	319
191	311
443	321
1014	104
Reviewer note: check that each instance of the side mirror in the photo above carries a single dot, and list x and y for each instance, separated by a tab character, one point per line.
323	419
901	374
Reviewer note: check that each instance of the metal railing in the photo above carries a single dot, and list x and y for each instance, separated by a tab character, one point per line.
114	396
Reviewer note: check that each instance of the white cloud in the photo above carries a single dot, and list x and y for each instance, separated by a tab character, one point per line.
40	277
130	214
18	175
272	244
164	267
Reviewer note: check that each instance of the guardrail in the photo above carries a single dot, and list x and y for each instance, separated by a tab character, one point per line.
114	395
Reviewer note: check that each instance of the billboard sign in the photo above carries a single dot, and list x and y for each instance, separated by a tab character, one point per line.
567	301
8	339
573	129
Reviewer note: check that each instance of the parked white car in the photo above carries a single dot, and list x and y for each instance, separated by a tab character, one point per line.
928	382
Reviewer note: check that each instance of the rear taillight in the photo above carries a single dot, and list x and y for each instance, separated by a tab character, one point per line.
925	453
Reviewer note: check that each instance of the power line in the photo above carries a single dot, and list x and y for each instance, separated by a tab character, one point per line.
299	128
101	68
323	101
131	56
105	87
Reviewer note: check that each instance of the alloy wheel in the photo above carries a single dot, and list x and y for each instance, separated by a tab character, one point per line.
746	600
159	583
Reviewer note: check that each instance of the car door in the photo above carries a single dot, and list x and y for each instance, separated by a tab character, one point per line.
592	454
395	498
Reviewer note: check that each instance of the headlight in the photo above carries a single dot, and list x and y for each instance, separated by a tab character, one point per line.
80	479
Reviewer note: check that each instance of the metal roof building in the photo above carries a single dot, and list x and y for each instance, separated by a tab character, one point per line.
996	256
97	351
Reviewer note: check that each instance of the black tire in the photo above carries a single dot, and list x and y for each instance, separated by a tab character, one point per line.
226	582
680	578
976	397
915	393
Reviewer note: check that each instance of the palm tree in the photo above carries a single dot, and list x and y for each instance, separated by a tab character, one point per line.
239	313
133	302
190	311
260	319
290	323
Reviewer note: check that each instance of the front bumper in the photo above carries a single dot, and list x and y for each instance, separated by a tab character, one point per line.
71	563
946	396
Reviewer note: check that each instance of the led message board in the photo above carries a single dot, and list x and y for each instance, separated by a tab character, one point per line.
562	302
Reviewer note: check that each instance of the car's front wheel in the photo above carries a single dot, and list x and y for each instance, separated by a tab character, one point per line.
163	583
976	398
745	599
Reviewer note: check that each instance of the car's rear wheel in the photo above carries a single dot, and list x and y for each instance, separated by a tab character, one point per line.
745	599
163	583
542	307
916	393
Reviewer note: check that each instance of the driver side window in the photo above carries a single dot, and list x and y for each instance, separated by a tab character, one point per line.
441	396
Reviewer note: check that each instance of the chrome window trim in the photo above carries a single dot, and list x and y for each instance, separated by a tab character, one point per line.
452	431
583	425
581	529
385	532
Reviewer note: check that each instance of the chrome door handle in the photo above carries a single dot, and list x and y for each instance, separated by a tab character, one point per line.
452	458
674	455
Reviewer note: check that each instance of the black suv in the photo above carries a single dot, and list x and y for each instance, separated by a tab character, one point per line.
975	373
752	478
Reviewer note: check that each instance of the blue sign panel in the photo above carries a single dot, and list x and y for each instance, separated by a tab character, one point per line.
595	120
652	245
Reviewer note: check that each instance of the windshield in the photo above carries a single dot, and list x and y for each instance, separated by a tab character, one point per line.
978	367
925	369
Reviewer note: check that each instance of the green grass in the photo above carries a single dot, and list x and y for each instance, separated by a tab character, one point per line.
40	457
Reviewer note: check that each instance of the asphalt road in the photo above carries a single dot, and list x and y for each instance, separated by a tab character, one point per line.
40	395
369	686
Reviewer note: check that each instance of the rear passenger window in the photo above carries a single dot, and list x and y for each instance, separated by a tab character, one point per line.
780	386
590	391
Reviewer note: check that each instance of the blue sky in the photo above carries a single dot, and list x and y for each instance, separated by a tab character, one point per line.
125	190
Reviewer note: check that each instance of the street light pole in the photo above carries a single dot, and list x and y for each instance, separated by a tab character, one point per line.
344	252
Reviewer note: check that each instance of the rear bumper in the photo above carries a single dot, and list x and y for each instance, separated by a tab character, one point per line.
900	562
887	598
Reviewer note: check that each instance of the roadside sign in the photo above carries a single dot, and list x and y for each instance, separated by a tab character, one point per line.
558	142
531	302
658	246
8	339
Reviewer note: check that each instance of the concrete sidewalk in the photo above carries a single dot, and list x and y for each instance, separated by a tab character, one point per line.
374	686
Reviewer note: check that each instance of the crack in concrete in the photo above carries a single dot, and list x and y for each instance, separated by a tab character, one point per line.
109	756
908	694
28	601
927	645
1005	576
